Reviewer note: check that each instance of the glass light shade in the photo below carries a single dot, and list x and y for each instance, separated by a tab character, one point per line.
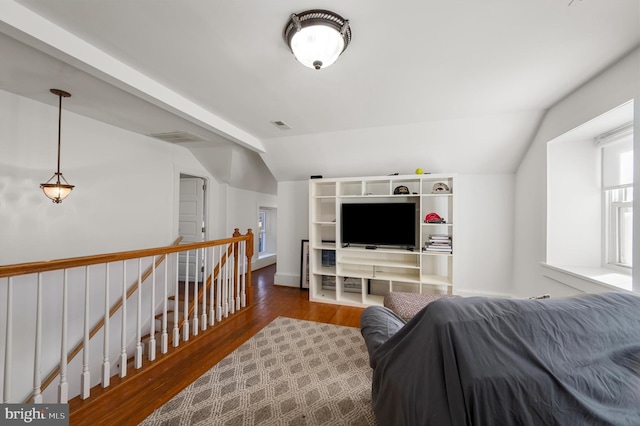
317	46
317	37
56	191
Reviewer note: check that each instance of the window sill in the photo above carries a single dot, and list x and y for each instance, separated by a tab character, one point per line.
581	277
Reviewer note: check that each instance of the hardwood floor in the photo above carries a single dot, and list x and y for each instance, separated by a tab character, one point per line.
131	400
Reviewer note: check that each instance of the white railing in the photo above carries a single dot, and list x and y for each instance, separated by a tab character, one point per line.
116	306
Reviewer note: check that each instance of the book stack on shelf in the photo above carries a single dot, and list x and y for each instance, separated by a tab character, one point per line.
352	285
328	283
439	243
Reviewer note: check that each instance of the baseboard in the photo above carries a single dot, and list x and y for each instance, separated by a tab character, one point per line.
263	262
471	293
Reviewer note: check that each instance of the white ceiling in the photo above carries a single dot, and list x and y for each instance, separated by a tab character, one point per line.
450	86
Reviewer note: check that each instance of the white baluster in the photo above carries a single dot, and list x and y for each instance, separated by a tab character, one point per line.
106	365
63	387
239	277
152	332
225	284
185	322
37	380
219	285
234	282
176	330
203	320
243	258
123	331
195	296
85	381
8	365
212	309
230	276
164	341
138	356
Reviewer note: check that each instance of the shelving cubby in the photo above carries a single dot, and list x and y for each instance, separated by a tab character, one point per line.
381	270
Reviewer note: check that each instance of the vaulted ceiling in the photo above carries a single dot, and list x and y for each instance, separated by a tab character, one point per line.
449	86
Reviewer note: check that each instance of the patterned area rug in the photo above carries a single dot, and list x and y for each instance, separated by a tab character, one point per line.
292	372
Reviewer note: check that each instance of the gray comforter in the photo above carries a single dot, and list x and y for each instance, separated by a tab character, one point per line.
478	361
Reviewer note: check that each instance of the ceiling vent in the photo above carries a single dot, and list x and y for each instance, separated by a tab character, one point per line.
281	125
178	137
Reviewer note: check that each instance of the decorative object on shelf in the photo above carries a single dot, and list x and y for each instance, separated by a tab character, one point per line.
57	188
304	264
441	188
401	190
317	37
434	218
419	171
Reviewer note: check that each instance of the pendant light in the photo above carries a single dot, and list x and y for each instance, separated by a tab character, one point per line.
317	37
57	188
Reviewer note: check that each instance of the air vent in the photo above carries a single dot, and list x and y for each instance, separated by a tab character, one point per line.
177	137
281	125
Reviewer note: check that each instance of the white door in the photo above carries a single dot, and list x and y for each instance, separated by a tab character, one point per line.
191	221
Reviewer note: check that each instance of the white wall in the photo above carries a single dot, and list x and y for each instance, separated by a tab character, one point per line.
484	233
574	203
293	227
611	88
483	252
243	209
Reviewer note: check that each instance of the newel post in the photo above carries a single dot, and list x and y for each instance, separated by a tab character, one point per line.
249	256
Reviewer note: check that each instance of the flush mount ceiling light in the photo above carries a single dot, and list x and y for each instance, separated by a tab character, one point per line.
57	188
317	37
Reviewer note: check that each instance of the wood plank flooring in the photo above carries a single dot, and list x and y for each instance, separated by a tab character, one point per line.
131	400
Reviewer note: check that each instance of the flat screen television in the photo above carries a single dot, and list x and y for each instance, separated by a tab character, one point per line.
379	224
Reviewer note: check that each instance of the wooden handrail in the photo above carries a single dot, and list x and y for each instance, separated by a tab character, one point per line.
76	350
74	262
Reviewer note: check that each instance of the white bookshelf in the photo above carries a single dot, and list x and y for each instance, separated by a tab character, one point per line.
362	277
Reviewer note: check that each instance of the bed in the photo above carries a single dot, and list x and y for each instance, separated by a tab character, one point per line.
480	361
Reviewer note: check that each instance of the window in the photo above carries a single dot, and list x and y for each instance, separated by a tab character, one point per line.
262	233
590	203
617	187
620	228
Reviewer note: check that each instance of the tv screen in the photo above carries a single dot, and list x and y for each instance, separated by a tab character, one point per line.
379	224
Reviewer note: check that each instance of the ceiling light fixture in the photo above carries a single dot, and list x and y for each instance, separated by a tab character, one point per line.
54	188
317	37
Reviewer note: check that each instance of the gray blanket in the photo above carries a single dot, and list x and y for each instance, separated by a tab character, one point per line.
478	361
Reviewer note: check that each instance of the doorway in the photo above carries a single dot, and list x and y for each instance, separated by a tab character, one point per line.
191	222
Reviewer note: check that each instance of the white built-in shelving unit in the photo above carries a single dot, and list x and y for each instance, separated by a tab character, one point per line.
360	277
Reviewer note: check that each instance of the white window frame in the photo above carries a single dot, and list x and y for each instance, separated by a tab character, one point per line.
263	217
615	235
614	200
